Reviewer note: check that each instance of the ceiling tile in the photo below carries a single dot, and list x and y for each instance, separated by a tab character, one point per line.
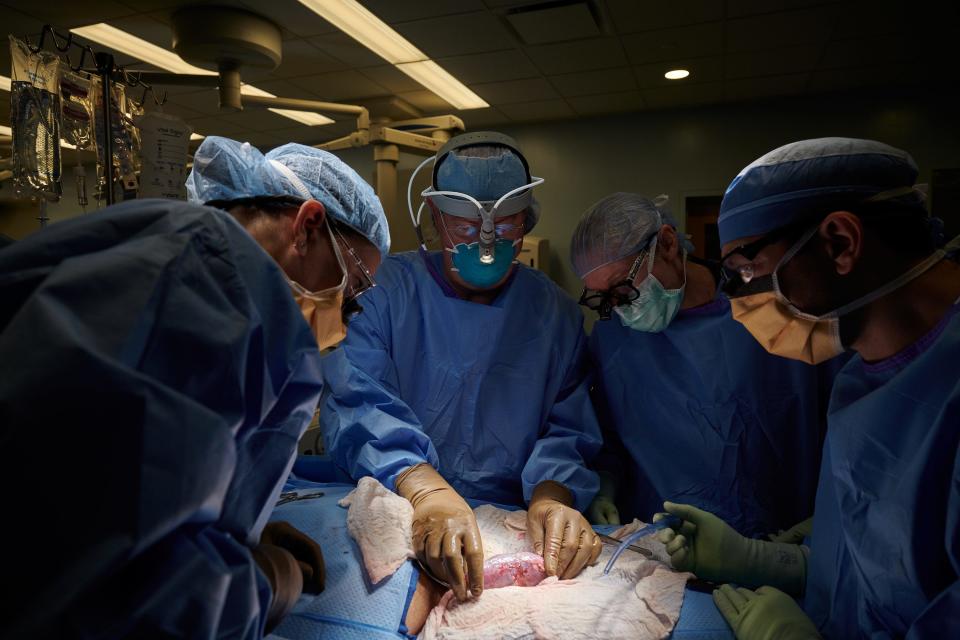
340	85
286	89
291	16
683	95
630	16
204	101
300	58
780	29
256	119
747	64
868	52
457	35
150	5
555	23
391	11
499	93
740	8
607	103
845	79
670	44
862	18
756	88
427	101
346	50
66	15
478	118
180	111
391	78
593	82
583	55
510	64
537	111
650	76
217	126
145	27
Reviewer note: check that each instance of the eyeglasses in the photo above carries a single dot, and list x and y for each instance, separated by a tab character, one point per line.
471	231
734	277
618	295
354	290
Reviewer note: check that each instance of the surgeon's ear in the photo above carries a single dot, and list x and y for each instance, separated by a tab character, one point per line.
308	219
667	245
842	236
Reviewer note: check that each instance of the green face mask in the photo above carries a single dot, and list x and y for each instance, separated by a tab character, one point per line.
655	307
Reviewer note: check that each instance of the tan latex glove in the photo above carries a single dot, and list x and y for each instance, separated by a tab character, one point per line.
445	534
304	549
559	532
285	578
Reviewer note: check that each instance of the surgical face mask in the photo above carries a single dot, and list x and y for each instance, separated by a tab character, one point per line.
323	310
656	307
786	331
468	262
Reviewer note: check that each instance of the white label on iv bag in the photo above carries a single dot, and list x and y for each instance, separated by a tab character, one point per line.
165	143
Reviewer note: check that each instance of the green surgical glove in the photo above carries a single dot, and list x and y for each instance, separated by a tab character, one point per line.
603	510
711	549
795	534
764	614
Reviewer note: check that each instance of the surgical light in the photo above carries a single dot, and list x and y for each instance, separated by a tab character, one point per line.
676	74
363	26
135	47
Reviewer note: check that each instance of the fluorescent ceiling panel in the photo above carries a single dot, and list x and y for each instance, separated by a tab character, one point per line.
135	47
360	24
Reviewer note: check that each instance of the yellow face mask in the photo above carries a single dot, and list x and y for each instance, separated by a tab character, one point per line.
323	310
786	331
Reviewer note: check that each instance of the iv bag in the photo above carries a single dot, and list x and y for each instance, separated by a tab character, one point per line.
35	120
76	96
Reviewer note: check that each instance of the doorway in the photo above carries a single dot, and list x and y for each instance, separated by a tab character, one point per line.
702	214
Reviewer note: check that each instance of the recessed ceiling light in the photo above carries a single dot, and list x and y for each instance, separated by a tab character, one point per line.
676	74
359	23
140	49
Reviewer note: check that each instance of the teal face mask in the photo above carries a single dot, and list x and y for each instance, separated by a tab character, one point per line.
655	307
466	262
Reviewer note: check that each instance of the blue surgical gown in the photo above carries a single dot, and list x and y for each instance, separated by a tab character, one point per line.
155	376
495	396
707	417
885	553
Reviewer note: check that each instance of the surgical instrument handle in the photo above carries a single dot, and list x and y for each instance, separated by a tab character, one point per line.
668	521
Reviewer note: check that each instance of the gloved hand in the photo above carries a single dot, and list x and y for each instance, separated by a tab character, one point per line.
445	534
603	510
764	614
795	534
285	578
711	549
559	532
303	548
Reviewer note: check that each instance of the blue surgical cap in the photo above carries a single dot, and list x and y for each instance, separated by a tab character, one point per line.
225	169
620	225
485	172
811	177
484	178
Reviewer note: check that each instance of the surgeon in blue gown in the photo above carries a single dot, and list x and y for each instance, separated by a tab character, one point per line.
471	376
829	247
703	414
156	373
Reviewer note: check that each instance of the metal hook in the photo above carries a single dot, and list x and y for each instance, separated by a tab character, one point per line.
143	98
160	101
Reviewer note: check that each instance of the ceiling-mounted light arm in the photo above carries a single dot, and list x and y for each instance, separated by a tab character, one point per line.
363	116
180	79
